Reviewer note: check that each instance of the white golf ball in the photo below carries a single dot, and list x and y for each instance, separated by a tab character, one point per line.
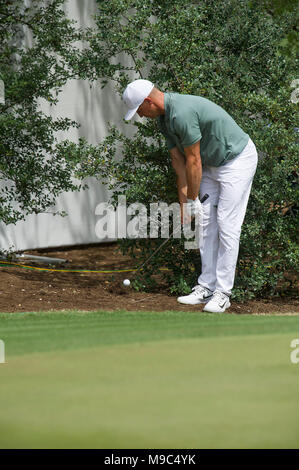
126	282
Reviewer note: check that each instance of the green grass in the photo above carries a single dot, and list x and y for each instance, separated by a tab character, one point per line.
148	380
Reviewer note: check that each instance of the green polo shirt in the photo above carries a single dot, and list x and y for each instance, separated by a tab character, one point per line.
189	118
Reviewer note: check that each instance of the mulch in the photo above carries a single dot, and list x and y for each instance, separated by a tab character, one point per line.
25	290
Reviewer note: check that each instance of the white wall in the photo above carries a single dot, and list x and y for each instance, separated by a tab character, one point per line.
93	108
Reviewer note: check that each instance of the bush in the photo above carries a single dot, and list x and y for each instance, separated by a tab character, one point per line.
229	51
36	45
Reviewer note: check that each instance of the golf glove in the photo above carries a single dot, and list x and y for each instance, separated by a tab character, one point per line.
193	207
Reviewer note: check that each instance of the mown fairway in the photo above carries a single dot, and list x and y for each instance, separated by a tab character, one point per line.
149	380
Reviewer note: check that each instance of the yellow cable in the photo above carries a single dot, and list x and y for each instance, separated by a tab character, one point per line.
73	270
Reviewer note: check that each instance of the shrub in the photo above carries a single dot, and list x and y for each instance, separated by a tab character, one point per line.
229	51
36	44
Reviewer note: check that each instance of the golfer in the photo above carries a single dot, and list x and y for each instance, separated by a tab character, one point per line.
210	154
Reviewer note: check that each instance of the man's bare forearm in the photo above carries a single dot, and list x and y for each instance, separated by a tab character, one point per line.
193	175
179	165
182	188
193	170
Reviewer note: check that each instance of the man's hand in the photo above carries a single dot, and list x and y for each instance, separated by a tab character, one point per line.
185	217
193	207
189	210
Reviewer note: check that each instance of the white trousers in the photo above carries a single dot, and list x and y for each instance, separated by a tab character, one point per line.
228	187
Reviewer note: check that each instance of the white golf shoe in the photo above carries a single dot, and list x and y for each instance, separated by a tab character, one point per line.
218	304
199	295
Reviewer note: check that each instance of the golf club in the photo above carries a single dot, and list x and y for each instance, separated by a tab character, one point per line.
127	282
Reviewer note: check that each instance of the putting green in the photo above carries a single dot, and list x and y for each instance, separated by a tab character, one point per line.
148	380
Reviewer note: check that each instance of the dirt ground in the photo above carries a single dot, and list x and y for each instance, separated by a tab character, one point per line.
24	290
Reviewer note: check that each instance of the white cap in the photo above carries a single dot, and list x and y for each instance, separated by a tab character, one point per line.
135	94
